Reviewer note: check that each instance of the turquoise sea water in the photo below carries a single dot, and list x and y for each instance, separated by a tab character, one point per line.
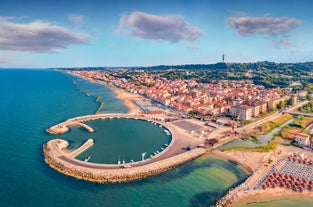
120	139
31	101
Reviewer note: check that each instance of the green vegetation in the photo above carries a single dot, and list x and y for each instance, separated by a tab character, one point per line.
308	108
255	138
264	148
269	126
268	74
295	127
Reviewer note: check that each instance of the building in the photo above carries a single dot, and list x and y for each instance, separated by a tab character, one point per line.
255	110
302	139
244	112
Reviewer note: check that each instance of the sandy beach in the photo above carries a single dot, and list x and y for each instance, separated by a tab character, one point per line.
259	163
121	94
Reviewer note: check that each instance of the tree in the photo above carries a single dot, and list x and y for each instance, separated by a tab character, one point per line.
291	101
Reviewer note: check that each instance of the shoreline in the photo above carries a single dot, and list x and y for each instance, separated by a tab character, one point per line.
120	94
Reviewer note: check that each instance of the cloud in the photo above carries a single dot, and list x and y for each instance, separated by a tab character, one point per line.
276	28
77	19
37	36
172	28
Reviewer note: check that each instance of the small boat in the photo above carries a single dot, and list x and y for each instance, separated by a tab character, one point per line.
132	160
162	148
87	159
157	152
167	132
160	126
165	145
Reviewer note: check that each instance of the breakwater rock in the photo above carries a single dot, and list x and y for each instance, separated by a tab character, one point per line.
58	158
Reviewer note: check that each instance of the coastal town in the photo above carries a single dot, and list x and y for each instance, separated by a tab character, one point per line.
217	113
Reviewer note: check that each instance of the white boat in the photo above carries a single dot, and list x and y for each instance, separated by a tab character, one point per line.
87	159
158	152
167	132
165	145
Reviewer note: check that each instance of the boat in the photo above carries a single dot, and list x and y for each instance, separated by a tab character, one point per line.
165	145
160	126
162	148
87	159
132	160
158	152
166	132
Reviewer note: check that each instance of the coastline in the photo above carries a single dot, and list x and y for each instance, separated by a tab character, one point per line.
120	94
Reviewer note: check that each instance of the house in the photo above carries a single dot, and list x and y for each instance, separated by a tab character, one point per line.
302	139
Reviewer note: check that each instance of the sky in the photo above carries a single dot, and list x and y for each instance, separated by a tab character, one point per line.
96	33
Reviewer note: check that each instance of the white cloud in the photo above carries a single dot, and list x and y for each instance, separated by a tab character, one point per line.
172	28
37	36
276	28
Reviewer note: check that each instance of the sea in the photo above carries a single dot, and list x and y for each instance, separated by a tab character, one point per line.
33	100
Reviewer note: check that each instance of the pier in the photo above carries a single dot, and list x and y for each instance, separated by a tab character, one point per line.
81	149
88	128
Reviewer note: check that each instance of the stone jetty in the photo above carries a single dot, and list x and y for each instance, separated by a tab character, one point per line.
61	160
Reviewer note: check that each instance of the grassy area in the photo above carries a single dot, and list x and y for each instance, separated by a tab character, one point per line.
270	125
295	127
264	148
307	108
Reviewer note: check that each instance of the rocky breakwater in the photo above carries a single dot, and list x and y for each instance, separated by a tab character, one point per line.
58	158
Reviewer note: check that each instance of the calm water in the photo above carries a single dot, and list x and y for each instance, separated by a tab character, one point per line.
31	101
120	139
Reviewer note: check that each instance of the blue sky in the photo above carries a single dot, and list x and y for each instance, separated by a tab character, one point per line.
74	33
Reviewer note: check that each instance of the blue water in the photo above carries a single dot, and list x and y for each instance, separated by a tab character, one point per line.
31	101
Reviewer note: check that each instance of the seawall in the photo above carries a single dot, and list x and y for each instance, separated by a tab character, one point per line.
54	156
